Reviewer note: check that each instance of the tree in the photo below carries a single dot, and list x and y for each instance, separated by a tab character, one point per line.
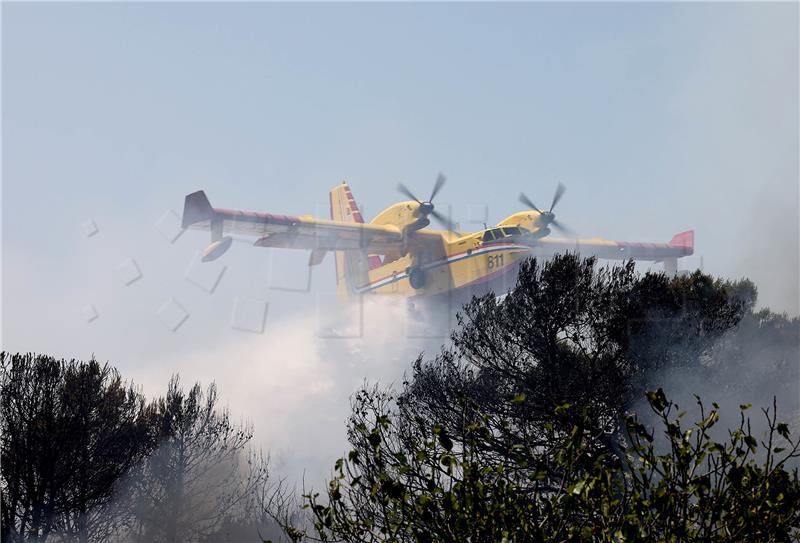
70	431
688	488
535	395
201	476
762	352
31	475
570	332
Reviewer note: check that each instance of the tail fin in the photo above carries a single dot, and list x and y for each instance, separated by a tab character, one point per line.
196	208
684	240
352	268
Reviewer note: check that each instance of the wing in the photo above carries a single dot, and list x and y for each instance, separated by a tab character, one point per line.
289	231
429	245
680	245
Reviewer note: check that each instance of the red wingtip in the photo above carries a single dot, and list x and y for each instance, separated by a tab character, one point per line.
684	240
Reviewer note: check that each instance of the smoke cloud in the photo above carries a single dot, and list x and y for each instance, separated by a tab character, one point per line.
294	382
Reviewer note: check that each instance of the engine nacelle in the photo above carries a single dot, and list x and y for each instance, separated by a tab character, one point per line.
530	220
402	215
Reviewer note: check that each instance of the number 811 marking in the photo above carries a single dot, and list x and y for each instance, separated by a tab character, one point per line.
494	261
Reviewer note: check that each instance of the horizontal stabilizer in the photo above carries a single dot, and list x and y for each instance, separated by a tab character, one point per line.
196	208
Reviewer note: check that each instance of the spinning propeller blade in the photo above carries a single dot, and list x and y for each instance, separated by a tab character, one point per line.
444	221
440	179
557	196
402	189
563	228
527	201
548	218
427	208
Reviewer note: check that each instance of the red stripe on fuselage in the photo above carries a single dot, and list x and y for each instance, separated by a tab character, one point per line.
453	257
255	216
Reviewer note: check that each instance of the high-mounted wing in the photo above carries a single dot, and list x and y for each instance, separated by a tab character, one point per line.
289	231
680	245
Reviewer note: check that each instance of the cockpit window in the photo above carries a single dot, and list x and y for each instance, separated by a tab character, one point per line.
495	234
500	233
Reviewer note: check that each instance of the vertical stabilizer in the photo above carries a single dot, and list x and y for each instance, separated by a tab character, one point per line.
352	267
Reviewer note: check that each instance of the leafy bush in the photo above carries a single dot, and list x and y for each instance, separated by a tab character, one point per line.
688	487
524	428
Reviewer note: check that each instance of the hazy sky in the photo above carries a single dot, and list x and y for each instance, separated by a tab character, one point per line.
657	117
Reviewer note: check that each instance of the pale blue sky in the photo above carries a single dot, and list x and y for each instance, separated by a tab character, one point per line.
657	117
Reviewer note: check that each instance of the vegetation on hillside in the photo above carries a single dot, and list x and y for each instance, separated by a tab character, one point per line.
526	428
551	415
86	458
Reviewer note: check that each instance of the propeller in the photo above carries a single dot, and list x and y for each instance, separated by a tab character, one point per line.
427	208
548	218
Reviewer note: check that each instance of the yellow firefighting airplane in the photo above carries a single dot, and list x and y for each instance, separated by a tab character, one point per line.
395	254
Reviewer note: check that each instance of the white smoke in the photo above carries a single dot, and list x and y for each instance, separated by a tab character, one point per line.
294	382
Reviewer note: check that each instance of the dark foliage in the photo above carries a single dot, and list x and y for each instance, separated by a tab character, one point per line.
84	458
572	333
70	431
681	486
201	479
523	428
